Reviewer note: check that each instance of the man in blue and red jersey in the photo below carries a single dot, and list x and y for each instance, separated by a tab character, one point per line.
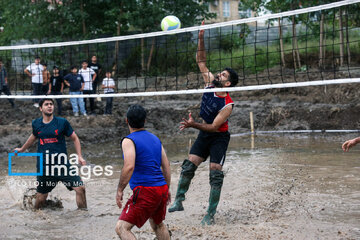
147	170
213	138
50	131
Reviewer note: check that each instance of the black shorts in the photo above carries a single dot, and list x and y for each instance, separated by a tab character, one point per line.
47	183
214	144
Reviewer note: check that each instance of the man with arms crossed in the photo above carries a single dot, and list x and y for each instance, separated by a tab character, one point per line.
89	77
213	138
35	71
50	132
147	170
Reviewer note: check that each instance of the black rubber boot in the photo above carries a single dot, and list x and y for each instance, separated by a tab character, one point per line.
187	173
216	182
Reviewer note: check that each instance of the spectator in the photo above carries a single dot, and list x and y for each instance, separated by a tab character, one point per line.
89	76
108	85
35	71
97	69
76	83
56	87
4	86
46	80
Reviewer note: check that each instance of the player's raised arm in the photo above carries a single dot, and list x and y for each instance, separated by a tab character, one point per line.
201	59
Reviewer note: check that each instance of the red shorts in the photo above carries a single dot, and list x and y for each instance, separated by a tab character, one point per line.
145	203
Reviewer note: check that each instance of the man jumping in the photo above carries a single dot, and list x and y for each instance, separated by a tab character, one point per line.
147	169
213	138
50	132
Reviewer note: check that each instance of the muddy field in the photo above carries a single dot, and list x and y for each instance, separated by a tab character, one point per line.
287	187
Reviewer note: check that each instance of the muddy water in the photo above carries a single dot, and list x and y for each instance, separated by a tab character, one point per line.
287	187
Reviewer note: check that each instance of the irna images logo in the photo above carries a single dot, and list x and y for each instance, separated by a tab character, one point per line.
40	155
60	165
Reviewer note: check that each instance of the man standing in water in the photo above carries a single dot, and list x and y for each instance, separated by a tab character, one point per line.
147	169
213	138
50	132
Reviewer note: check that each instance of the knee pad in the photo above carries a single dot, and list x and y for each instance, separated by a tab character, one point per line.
188	168
216	179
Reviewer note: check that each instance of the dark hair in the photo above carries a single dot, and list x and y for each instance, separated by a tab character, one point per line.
72	67
234	78
136	116
41	102
84	61
44	64
37	57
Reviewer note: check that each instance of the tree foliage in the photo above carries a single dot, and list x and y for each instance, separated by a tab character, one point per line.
49	21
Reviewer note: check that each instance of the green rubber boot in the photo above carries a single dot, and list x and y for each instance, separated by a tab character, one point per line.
216	182
187	173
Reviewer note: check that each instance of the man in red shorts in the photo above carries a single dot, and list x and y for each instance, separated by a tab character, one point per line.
147	170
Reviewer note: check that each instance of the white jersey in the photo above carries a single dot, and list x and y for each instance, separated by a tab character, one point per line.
87	75
37	71
107	82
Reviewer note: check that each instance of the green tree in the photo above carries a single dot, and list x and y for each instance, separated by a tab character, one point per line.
54	21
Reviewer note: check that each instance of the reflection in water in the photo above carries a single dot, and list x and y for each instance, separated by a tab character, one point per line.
287	187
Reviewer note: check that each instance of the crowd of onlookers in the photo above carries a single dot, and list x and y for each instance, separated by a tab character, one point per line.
79	81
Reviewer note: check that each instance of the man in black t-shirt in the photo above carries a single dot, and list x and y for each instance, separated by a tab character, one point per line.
50	132
56	87
4	86
97	69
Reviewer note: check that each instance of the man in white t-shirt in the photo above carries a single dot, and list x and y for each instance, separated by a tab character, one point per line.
108	85
89	76
35	71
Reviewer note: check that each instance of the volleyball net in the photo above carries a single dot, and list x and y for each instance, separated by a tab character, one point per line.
305	47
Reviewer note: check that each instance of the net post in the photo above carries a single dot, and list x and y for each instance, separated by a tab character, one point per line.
252	130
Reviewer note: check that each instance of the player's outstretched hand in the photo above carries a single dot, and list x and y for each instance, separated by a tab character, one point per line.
201	32
19	150
119	198
186	123
349	144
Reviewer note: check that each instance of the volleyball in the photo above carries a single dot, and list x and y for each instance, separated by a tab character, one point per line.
170	23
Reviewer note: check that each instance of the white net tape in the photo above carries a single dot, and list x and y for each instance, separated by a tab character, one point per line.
196	91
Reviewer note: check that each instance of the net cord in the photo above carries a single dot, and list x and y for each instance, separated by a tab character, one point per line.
193	91
189	29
